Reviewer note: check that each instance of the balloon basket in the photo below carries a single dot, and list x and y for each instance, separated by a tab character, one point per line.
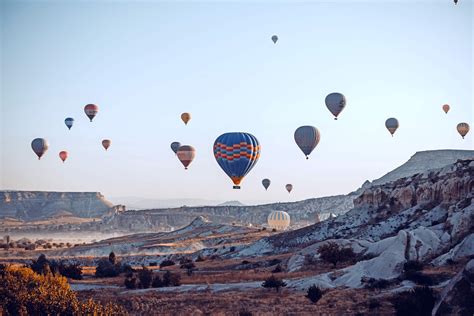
236	187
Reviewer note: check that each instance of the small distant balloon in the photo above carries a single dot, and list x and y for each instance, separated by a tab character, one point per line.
392	125
63	155
186	117
39	146
455	1
106	143
236	153
289	187
307	138
69	122
91	111
274	39
174	146
186	155
335	102
446	108
463	129
266	183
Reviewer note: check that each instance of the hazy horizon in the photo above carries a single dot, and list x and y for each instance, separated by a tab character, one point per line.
146	63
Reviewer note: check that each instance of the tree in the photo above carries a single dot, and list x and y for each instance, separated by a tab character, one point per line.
333	253
24	292
274	282
171	279
189	266
41	265
167	263
130	282
419	302
146	277
157	282
314	293
277	269
105	269
112	258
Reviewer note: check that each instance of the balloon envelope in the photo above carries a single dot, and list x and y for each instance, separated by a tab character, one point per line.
392	125
278	220
274	39
106	143
186	117
266	183
39	146
446	108
69	122
63	155
307	137
335	102
289	187
91	110
174	146
463	129
186	155
236	154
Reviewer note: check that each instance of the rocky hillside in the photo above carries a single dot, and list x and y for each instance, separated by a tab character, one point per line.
34	205
423	161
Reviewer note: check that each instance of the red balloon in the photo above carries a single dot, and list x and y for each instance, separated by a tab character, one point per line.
63	155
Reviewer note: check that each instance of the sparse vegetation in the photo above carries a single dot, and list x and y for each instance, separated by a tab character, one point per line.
131	282
277	269
333	253
200	259
274	282
167	263
373	284
314	293
419	302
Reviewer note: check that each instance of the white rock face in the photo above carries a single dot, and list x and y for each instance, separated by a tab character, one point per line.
462	250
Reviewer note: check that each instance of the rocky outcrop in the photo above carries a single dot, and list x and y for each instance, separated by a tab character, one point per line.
32	205
457	298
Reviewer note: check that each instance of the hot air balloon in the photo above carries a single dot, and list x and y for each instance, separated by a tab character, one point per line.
186	117
175	146
186	155
91	110
236	154
274	39
335	102
266	183
446	108
39	146
106	143
463	129
289	187
278	220
69	122
455	1
307	137
63	155
391	124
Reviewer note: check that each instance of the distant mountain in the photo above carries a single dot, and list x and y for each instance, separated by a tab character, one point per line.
231	203
138	203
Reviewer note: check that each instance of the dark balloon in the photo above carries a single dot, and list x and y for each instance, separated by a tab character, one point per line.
266	183
335	102
274	39
106	143
39	146
174	146
236	154
69	122
392	125
307	138
63	155
289	187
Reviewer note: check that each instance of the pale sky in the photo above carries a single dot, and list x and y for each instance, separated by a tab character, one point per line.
144	63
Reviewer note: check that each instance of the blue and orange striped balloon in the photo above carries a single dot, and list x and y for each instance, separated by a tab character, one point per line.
236	154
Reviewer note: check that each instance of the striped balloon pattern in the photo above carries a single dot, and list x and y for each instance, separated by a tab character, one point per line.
278	220
236	154
69	121
186	155
307	138
39	146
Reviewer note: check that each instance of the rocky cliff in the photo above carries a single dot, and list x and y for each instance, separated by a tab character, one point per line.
32	205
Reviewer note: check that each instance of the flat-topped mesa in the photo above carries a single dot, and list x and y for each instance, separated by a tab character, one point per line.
446	185
33	205
423	161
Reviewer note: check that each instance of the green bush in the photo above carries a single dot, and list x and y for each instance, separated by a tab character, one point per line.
333	253
274	282
419	302
146	277
314	293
